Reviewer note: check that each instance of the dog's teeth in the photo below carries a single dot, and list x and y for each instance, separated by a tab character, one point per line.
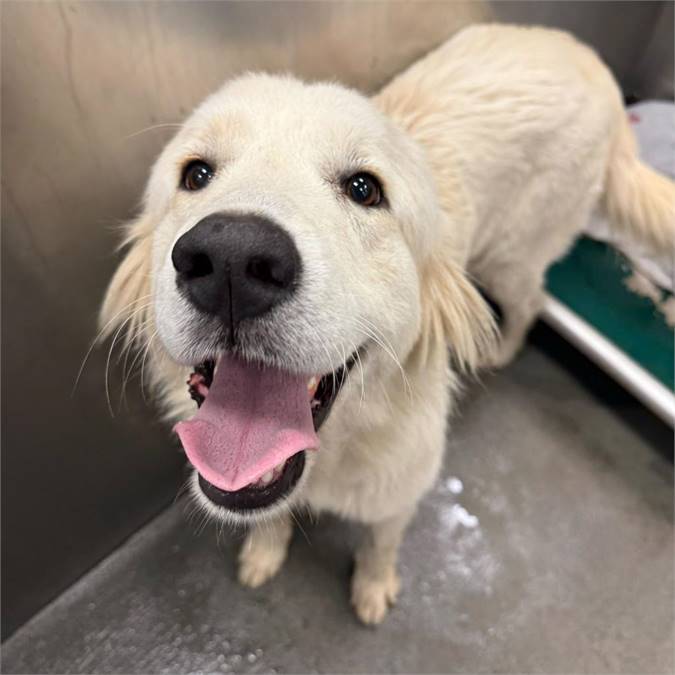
267	478
311	384
279	467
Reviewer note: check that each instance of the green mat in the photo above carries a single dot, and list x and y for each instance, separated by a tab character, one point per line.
590	281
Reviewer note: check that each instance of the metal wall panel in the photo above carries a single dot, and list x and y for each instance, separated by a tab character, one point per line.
653	76
634	38
79	82
85	89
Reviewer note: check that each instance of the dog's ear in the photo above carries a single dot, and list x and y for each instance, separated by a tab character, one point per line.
455	313
127	300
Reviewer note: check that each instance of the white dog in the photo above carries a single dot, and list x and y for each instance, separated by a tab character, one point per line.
303	248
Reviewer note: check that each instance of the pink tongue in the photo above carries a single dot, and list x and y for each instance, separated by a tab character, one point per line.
252	419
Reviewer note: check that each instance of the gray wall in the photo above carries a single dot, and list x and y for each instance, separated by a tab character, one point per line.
84	86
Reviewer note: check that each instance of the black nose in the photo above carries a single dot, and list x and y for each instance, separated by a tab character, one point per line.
236	266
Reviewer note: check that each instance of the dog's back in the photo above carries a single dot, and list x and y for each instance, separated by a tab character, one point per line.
526	133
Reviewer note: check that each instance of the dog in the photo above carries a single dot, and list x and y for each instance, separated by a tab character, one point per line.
306	259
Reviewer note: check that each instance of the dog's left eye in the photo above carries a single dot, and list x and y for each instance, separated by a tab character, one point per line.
364	189
196	175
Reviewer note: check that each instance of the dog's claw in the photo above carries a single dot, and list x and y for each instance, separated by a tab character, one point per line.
372	597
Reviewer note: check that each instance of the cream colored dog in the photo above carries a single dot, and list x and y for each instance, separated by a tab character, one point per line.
302	247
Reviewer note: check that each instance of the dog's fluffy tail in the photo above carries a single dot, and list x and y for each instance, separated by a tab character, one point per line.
640	201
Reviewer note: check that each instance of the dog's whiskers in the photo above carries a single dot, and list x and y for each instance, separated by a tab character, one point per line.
98	337
363	382
322	344
184	487
127	374
300	527
107	363
376	335
128	341
163	125
192	509
145	356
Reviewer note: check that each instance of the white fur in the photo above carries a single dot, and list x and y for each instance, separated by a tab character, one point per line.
492	151
528	126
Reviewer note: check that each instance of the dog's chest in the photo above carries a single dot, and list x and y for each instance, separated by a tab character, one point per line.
370	472
345	482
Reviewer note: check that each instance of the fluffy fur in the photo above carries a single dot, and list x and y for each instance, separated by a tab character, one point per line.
492	150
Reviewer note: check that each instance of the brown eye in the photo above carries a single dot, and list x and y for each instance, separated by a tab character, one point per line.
196	175
364	189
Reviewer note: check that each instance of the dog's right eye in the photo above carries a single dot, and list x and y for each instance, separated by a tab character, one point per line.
364	189
196	175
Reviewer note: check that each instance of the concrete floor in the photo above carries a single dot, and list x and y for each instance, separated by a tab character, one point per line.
555	556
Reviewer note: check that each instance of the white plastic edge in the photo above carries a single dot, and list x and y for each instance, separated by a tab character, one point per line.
610	358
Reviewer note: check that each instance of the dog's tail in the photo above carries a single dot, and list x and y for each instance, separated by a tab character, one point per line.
639	200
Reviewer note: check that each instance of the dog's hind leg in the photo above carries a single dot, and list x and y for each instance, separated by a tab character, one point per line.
264	550
375	583
542	224
520	306
518	289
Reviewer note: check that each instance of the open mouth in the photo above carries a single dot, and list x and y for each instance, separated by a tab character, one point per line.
254	425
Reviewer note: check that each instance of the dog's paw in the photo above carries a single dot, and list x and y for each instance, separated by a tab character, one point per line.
258	564
372	597
502	356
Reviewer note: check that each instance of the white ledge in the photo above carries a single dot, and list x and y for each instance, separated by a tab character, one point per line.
610	358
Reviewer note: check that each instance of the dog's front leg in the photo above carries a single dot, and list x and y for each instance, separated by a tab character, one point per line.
375	583
264	549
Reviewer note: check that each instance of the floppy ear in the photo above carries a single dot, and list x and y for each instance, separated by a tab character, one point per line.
455	313
127	300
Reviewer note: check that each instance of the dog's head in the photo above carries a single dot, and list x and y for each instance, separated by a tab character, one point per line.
288	232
